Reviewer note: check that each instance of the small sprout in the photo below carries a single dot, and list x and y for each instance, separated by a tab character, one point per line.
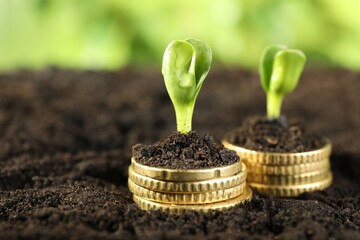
185	66
280	70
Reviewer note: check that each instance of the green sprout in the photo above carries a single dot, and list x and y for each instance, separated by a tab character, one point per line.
185	66
280	70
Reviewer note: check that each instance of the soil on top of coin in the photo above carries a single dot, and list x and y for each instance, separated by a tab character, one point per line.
274	135
184	151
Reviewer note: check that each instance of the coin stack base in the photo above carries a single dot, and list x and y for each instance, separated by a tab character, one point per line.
175	191
179	208
286	174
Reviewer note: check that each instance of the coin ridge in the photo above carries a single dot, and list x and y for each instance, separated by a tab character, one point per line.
286	180
292	169
292	190
187	198
181	175
179	208
185	187
259	157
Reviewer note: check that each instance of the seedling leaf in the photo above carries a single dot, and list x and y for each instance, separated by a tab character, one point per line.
185	66
280	71
287	68
266	64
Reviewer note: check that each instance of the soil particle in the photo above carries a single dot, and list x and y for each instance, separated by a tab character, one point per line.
274	135
184	151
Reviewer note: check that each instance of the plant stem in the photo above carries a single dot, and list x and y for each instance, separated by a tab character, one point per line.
184	117
274	101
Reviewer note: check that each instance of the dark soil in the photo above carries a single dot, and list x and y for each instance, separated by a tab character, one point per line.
65	146
274	135
184	151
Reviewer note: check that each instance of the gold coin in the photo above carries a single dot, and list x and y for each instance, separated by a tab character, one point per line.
186	187
186	175
284	180
187	198
180	208
292	190
293	169
269	158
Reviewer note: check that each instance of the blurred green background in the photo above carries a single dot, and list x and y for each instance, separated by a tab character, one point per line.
111	34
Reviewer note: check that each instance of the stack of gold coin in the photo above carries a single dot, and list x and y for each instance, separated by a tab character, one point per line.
175	191
286	174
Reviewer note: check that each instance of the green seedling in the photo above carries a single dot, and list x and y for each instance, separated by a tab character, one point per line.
185	66
280	70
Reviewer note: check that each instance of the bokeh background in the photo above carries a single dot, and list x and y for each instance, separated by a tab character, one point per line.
112	34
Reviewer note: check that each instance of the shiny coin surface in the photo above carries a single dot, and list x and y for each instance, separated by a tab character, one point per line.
292	190
179	208
188	187
291	169
186	175
187	198
268	158
286	180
